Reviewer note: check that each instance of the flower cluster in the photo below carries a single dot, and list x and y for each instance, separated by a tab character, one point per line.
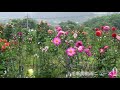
79	47
60	32
4	44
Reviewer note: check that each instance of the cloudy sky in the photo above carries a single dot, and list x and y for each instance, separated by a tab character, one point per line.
42	14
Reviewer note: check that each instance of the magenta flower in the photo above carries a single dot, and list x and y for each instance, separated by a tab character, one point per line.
106	28
113	73
56	41
78	43
88	52
80	48
19	34
71	51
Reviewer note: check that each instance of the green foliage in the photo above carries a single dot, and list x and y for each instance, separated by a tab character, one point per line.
112	20
30	53
8	30
69	25
32	24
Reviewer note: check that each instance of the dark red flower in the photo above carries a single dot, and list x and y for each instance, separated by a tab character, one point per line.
19	34
114	28
102	27
96	29
98	33
114	35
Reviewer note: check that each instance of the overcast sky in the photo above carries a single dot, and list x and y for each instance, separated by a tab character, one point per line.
41	14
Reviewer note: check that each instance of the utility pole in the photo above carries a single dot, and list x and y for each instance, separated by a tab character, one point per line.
27	20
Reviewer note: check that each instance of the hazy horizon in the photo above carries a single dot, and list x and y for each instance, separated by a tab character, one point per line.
52	17
44	14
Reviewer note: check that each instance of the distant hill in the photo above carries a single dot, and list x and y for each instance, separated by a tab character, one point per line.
55	18
112	20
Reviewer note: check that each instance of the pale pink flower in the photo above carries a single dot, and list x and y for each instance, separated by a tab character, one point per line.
45	48
75	35
66	41
48	24
113	73
80	48
118	37
102	50
57	41
71	51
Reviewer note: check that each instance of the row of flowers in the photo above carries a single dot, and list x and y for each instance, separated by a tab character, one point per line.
79	46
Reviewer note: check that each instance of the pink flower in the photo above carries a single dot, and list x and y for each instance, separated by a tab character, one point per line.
106	47
102	50
80	48
106	28
87	51
60	33
78	43
113	73
48	24
58	28
57	41
118	37
71	51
